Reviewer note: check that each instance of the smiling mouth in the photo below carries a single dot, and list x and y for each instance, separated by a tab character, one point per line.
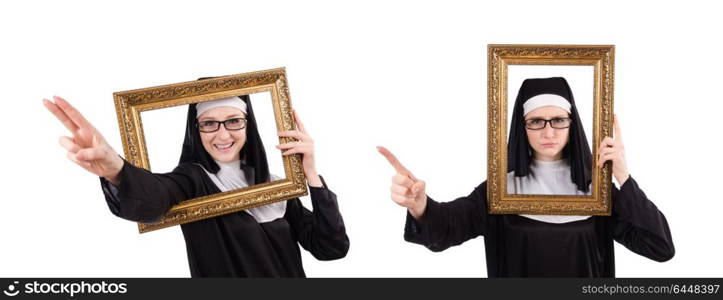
224	147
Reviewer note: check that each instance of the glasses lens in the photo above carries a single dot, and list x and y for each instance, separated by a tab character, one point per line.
235	124
560	123
208	126
535	123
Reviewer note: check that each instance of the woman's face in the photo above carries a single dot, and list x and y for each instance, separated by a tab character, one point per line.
223	145
547	143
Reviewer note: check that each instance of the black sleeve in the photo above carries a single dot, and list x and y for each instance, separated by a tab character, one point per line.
144	196
322	231
639	225
451	223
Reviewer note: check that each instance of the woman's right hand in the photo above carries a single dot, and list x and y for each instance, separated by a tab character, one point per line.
87	147
407	190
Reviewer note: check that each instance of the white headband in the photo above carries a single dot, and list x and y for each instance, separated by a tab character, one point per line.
545	100
234	102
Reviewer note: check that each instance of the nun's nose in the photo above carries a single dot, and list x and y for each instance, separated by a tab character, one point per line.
548	131
223	133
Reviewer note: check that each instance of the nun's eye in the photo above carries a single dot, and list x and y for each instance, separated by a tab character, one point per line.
230	124
235	124
535	123
209	124
560	122
557	123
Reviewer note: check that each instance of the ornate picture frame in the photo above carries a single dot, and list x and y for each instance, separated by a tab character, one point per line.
499	59
130	104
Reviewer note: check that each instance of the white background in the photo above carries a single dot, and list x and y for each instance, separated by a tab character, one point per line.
407	75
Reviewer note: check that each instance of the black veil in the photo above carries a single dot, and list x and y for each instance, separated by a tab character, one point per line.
253	156
577	150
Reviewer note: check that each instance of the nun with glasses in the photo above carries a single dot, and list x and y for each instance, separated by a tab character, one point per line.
548	153
222	150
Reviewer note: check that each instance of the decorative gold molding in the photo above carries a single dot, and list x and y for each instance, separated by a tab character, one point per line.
499	57
129	105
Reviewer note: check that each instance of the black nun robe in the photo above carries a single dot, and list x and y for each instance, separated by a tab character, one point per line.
231	245
517	246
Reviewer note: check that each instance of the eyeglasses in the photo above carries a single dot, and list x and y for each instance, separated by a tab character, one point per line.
557	123
213	126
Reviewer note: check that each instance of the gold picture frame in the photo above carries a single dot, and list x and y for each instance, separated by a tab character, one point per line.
499	58
130	104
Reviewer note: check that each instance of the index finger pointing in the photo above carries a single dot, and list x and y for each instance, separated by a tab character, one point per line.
299	124
616	128
72	113
60	115
394	161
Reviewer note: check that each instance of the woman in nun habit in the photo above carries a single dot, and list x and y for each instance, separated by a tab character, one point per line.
548	153
222	150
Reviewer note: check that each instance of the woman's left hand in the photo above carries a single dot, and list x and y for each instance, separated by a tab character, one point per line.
614	150
303	145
